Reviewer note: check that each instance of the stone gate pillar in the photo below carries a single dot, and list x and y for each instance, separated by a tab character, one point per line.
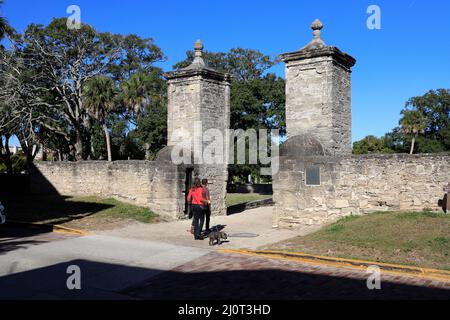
318	100
199	106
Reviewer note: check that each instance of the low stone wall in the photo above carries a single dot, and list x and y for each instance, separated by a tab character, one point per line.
128	181
357	185
157	185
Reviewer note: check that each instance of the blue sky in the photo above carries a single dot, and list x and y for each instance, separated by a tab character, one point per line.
407	57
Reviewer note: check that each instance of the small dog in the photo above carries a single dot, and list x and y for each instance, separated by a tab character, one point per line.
217	236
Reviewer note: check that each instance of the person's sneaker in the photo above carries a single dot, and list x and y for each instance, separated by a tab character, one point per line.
198	238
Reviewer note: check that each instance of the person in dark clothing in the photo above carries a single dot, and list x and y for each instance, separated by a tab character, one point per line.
196	196
207	203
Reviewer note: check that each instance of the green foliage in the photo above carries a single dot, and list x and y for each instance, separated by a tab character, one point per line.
145	97
5	28
429	145
412	124
100	97
124	143
19	163
424	121
98	142
371	144
76	76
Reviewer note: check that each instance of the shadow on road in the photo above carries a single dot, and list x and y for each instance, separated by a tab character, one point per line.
40	207
110	281
13	238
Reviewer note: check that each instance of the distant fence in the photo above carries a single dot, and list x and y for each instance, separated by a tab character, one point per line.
250	188
14	184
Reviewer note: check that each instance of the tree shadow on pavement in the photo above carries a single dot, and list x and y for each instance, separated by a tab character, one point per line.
13	238
110	281
49	207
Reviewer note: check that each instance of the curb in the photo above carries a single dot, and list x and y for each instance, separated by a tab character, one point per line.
388	268
47	227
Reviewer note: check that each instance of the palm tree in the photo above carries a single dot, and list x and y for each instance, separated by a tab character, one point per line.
412	123
100	99
4	26
136	90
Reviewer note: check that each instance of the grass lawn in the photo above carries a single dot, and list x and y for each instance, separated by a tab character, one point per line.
237	198
83	212
418	239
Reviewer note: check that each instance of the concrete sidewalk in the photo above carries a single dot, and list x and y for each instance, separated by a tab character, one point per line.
256	221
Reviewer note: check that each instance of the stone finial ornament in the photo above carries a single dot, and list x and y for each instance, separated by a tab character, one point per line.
198	47
198	67
317	25
198	62
316	42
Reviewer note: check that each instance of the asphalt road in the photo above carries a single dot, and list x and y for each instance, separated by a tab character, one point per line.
34	264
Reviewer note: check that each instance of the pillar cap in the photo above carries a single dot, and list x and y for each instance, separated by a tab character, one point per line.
316	42
317	48
198	68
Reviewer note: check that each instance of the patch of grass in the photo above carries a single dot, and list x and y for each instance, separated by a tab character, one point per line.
335	228
440	243
84	212
122	210
413	238
237	198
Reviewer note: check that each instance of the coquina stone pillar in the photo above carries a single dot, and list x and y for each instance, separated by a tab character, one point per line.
199	106
318	100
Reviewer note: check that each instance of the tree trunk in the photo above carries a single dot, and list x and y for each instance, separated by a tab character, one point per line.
27	149
79	147
108	142
412	145
6	157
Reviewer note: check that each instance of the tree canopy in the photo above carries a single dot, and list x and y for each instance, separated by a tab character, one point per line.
424	127
58	84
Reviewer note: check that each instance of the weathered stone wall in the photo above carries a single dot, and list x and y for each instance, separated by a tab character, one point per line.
318	100
126	180
157	185
215	114
357	185
182	111
197	104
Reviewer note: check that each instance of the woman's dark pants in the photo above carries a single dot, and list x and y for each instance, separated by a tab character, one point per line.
199	218
207	210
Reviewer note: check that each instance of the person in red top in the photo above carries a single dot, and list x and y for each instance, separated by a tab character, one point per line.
195	196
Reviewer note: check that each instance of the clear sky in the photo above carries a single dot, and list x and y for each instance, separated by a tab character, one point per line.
408	56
